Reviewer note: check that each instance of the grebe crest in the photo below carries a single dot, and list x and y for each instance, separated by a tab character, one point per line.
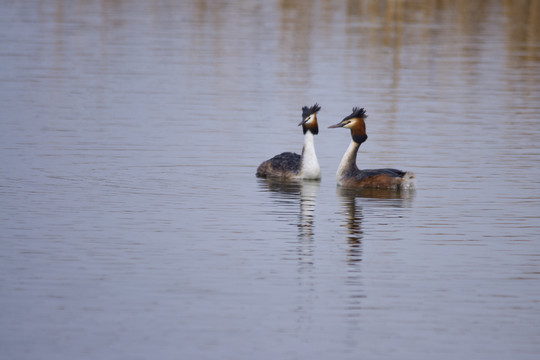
348	174
288	165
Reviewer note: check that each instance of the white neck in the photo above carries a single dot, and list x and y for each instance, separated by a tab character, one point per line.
348	162
310	165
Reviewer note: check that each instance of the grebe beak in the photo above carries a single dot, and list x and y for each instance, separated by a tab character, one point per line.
305	120
341	124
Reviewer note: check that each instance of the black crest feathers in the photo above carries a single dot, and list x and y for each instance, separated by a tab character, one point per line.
357	113
306	111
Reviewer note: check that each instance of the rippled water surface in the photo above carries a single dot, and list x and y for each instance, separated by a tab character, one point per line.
133	226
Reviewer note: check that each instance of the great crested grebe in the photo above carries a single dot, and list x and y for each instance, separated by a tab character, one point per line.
288	165
348	174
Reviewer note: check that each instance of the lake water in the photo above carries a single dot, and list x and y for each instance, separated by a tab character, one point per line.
133	226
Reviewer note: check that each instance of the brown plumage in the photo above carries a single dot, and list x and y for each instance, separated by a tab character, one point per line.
348	174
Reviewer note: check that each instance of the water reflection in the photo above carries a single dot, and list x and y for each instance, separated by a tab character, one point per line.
399	198
352	212
303	193
522	30
354	217
301	196
352	204
149	108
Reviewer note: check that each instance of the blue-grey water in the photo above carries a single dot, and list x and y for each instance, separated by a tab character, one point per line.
133	227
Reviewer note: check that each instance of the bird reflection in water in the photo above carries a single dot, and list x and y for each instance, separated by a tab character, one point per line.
353	212
304	193
353	201
297	200
353	224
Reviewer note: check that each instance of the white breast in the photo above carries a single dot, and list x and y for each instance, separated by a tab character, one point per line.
310	165
347	163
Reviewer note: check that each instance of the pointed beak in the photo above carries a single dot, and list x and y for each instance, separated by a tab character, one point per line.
337	125
302	122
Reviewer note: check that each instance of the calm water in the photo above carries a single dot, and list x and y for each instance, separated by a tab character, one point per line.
133	227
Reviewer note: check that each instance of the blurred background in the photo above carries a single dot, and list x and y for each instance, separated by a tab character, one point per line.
133	225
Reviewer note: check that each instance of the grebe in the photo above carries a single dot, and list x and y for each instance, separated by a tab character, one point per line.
288	165
348	174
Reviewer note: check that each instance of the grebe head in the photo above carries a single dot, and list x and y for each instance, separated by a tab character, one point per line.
356	123
309	119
